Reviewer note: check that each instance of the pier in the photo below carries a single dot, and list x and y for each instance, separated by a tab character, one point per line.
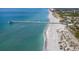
33	22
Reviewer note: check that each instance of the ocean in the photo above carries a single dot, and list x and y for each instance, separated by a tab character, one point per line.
22	36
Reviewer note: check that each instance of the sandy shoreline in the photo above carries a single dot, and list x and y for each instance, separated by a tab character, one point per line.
46	34
45	38
50	34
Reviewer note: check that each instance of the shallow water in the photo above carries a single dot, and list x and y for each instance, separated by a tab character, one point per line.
22	36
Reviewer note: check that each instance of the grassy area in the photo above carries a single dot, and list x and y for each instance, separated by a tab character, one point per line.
73	14
61	14
77	35
68	14
75	32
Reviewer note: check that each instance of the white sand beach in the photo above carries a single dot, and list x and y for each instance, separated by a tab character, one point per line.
51	34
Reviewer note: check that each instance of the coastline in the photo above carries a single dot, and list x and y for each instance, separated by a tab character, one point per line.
45	35
45	38
51	37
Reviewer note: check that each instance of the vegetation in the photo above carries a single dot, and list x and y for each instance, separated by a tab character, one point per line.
77	34
68	14
61	14
74	31
74	27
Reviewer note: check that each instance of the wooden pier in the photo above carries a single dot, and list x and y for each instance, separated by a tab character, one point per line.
36	22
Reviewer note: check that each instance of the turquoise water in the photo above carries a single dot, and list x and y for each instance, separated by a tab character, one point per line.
22	36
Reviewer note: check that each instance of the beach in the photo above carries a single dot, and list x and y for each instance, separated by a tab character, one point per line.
52	37
58	37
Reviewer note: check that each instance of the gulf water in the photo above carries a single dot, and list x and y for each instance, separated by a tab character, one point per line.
22	36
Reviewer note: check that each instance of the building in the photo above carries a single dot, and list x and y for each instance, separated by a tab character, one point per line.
67	9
